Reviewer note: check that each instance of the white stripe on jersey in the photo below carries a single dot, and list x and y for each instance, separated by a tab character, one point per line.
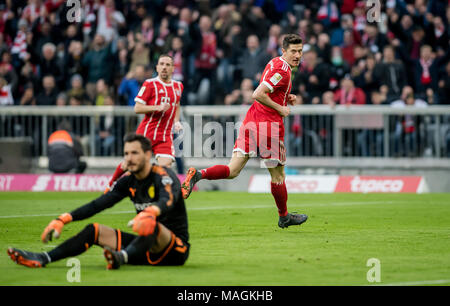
287	90
173	109
156	101
162	115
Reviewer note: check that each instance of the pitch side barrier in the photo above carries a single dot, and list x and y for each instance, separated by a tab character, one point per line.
311	131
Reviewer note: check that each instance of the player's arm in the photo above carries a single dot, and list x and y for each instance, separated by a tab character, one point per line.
261	95
145	100
54	229
144	223
177	124
140	108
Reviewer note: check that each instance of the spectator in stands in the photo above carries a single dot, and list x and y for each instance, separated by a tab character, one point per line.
253	60
19	47
8	72
77	90
61	99
339	67
187	28
390	74
206	60
427	68
147	30
6	97
98	61
49	65
101	92
241	96
131	83
323	47
49	92
28	97
313	74
64	151
373	39
271	45
444	85
105	131
73	62
161	43
139	55
348	94
109	20
176	51
223	24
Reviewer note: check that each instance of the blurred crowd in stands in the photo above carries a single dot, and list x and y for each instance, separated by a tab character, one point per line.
54	54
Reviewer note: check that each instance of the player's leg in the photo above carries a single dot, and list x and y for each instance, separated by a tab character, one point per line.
280	195
217	172
152	249
120	170
164	152
164	161
93	233
244	146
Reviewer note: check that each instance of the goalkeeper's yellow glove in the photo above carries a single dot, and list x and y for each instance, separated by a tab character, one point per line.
54	228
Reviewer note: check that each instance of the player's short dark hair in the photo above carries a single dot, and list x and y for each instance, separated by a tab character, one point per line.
165	55
144	141
291	39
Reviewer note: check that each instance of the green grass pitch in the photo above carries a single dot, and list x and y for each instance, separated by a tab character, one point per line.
235	240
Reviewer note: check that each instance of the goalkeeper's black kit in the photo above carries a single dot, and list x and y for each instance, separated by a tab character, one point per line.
161	188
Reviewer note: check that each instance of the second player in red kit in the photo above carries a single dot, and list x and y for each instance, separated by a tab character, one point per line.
159	99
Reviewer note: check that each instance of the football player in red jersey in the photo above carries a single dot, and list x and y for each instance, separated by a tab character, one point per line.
159	99
262	131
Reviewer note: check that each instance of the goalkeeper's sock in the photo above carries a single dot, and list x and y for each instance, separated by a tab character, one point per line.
280	195
116	175
76	245
216	172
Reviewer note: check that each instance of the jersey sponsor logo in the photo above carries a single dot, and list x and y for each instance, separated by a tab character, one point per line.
141	92
141	206
276	78
165	99
166	180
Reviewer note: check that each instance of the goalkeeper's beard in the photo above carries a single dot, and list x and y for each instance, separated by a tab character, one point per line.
136	168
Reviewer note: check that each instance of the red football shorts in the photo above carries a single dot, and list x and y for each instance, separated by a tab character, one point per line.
263	139
163	149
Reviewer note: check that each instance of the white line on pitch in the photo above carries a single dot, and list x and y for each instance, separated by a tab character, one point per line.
219	207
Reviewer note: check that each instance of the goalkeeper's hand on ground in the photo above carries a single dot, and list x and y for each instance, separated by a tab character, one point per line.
144	223
54	228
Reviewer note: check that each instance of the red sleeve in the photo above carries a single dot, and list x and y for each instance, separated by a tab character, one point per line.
276	78
146	94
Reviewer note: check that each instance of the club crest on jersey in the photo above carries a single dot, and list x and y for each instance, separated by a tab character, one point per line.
276	78
166	180
178	92
151	191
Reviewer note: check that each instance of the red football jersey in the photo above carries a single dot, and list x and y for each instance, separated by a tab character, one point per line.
277	77
158	125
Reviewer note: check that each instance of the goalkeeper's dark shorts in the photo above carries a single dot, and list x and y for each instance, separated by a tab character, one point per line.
175	254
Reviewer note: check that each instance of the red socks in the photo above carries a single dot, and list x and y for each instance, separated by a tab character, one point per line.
216	172
280	195
117	174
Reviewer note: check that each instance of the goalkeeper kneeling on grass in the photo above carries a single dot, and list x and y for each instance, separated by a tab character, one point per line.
160	223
